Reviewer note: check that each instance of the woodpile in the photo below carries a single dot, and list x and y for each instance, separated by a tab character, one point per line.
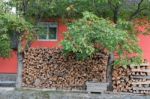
121	80
141	79
135	79
49	68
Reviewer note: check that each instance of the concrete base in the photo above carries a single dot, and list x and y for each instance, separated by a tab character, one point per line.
8	77
8	80
34	94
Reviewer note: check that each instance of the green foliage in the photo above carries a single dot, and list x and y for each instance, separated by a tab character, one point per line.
41	9
4	45
129	52
10	23
84	33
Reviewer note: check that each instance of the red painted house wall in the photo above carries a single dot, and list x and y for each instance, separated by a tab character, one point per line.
145	45
9	65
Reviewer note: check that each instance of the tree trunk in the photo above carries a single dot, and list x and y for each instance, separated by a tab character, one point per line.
20	67
116	14
110	70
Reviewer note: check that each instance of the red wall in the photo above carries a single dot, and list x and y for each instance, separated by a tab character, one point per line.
145	45
9	65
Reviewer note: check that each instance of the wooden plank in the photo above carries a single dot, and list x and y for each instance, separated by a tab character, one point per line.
140	77
139	70
137	88
143	64
145	82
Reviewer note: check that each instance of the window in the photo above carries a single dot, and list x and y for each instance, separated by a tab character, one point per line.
49	31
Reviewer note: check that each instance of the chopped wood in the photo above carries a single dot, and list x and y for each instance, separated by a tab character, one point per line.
121	80
135	79
141	79
49	68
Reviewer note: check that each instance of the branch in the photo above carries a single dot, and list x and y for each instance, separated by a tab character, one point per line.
116	13
138	10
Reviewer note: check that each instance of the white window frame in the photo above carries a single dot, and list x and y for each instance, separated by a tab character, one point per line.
47	25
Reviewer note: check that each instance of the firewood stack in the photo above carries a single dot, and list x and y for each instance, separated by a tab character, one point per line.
121	80
49	68
135	79
141	79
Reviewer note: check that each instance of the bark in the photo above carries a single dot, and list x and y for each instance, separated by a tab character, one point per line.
110	71
116	14
20	67
116	9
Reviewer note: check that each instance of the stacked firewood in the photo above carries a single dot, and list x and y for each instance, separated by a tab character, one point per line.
135	79
121	80
50	68
141	78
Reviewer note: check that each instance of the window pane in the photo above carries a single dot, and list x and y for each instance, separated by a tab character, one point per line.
42	36
52	32
43	33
